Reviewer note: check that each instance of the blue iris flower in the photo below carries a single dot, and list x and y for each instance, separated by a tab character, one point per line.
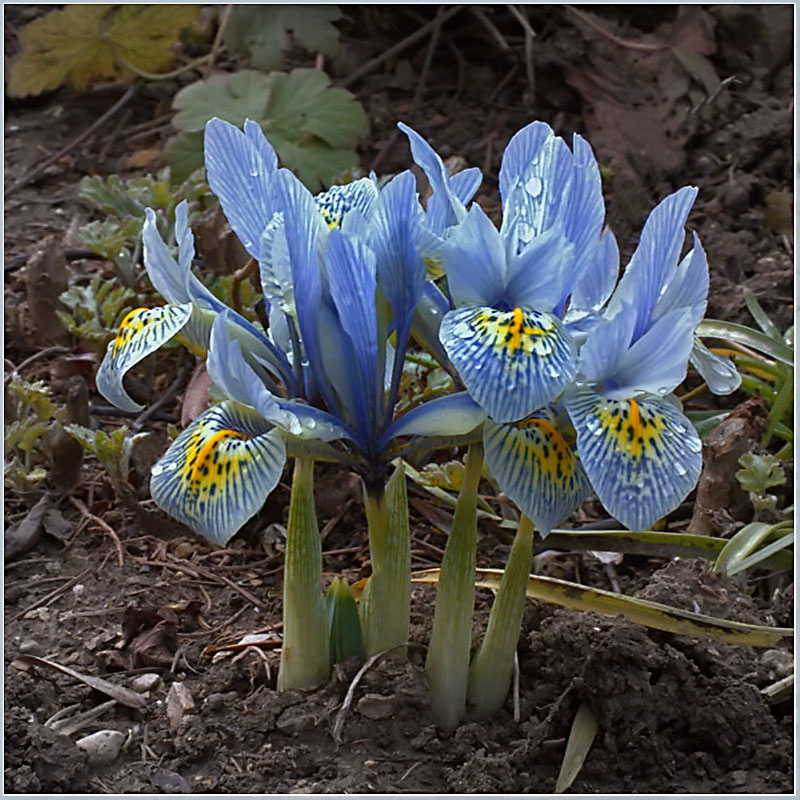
341	274
575	375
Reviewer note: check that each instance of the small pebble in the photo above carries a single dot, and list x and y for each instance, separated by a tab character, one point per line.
145	682
376	706
215	702
102	747
30	647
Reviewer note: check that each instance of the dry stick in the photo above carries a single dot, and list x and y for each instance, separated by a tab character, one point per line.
400	46
423	77
491	27
530	34
103	525
56	350
48	598
583	17
250	269
79	140
217	45
172	389
348	699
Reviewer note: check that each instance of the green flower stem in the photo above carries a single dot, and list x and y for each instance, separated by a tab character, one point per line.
305	659
490	671
447	665
386	600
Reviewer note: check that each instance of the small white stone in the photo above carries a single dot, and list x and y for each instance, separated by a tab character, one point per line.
145	682
102	747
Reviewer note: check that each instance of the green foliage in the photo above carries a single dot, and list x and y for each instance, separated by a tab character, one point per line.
117	238
759	473
29	412
312	126
344	624
112	450
265	32
422	380
744	550
95	310
81	44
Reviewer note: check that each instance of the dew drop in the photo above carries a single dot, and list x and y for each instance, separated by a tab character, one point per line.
679	468
157	470
552	370
534	186
694	444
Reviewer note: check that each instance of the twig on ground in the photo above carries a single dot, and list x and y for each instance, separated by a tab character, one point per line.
49	598
76	142
530	34
247	271
492	28
585	18
334	520
103	525
171	391
217	44
56	350
515	686
365	69
348	699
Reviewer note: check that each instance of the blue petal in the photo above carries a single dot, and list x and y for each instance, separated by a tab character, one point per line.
266	152
719	372
350	266
688	287
643	457
431	308
239	167
535	467
464	184
219	471
166	275
338	201
511	362
606	345
452	415
142	332
475	261
599	276
655	259
392	235
228	369
452	210
657	362
275	266
539	277
518	155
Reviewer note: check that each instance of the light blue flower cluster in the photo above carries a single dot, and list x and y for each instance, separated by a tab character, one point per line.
570	371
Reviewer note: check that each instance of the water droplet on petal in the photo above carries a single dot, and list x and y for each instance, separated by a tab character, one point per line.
679	468
694	444
552	370
157	470
534	186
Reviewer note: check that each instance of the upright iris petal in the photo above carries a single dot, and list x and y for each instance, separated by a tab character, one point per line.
640	452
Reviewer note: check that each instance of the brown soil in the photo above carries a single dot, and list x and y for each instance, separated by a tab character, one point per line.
675	714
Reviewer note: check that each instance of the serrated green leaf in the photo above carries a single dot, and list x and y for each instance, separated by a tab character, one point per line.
232	97
263	31
184	152
316	164
78	44
303	102
760	472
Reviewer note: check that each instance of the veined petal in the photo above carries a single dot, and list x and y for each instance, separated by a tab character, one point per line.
656	258
275	267
240	166
642	456
219	471
452	211
393	238
336	202
350	266
314	423
464	184
427	319
657	362
540	276
163	270
475	261
597	280
511	362
606	345
452	415
239	381
536	468
719	372
520	151
142	332
688	287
